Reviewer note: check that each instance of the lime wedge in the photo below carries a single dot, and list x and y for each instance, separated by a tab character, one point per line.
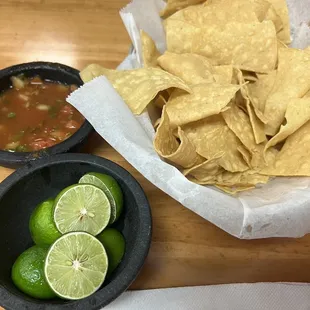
82	207
111	189
76	265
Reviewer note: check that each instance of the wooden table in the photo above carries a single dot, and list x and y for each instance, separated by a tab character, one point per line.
186	249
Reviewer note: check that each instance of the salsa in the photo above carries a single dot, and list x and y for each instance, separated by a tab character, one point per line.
34	115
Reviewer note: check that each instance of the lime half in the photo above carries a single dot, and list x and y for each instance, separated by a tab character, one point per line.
76	265
82	207
111	189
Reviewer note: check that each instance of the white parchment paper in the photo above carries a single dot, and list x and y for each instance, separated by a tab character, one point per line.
279	209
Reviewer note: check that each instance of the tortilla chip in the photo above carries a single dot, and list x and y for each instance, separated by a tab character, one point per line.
246	155
150	52
205	100
168	147
191	68
206	181
294	157
297	114
307	95
165	143
157	123
232	43
246	179
282	10
245	95
137	87
185	156
212	136
160	101
270	156
180	36
218	12
223	74
257	125
249	177
245	102
176	5
195	69
265	11
240	124
260	90
235	189
154	112
292	81
206	170
281	44
249	76
167	93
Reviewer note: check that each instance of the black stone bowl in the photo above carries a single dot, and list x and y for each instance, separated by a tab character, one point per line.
49	71
44	178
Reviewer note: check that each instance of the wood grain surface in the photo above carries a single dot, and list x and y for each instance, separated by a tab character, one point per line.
186	250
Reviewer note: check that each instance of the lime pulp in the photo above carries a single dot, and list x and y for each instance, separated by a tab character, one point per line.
82	207
76	265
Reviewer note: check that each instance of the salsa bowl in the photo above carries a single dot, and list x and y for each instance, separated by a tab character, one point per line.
44	178
54	72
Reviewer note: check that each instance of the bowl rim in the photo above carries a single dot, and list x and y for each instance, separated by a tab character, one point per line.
20	158
135	262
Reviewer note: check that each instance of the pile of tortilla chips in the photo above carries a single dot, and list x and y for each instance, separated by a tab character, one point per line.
229	100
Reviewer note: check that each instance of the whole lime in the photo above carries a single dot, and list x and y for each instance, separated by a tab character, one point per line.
28	273
114	244
42	227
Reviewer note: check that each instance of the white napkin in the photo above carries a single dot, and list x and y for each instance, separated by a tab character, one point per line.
260	296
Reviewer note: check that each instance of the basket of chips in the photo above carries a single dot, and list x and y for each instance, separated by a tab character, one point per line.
213	107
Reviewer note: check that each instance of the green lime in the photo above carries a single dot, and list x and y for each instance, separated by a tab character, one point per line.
28	273
114	243
76	265
111	189
82	207
41	224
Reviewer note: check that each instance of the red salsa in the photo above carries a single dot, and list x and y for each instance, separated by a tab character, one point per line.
34	115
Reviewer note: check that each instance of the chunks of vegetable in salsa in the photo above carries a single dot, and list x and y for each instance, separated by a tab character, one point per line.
34	114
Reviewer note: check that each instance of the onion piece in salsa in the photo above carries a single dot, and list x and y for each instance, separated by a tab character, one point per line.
34	114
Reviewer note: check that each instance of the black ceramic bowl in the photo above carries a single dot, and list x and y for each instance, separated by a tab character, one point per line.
54	72
44	178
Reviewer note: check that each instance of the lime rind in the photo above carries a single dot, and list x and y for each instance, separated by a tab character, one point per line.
115	245
82	207
76	265
28	273
41	224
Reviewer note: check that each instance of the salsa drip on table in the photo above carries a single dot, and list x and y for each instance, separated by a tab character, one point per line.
34	114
